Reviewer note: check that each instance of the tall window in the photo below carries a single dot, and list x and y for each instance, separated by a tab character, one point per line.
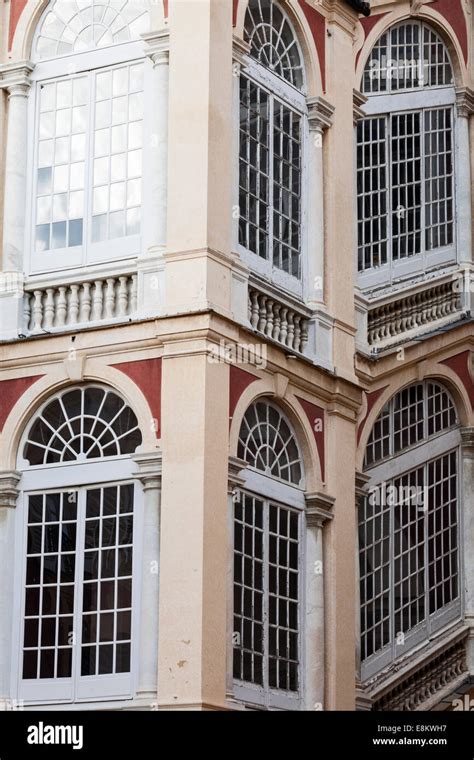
87	107
405	157
80	525
272	126
268	515
409	525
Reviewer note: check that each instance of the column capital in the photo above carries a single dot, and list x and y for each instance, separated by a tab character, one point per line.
361	482
9	490
236	469
359	100
15	77
157	46
318	509
149	470
464	101
320	113
467	442
240	49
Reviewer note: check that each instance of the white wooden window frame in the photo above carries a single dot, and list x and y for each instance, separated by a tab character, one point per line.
79	475
384	472
281	90
274	492
386	106
119	249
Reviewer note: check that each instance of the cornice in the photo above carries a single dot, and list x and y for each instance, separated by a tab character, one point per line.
320	113
16	76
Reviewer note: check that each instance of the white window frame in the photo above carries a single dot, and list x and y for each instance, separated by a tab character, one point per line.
272	491
279	89
78	476
79	258
417	456
386	105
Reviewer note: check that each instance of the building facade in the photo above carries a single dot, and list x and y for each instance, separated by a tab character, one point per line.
236	379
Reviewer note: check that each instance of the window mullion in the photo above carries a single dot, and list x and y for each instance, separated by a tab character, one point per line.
271	157
426	552
423	188
266	598
89	168
389	194
78	587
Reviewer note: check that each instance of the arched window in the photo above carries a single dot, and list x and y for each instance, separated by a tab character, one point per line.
405	156
268	515
87	111
272	128
79	524
409	525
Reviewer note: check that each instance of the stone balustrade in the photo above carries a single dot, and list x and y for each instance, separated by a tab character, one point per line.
441	674
278	320
80	303
394	320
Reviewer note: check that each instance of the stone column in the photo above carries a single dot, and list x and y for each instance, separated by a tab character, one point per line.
151	293
363	702
320	114
467	510
194	553
361	303
149	474
8	498
464	108
15	79
236	482
318	512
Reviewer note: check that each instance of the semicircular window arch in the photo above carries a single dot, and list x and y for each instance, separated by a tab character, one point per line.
82	424
76	26
409	55
273	42
268	444
415	414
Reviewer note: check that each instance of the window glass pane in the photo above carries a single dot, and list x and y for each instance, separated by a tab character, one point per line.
50	576
56	179
116	153
106	617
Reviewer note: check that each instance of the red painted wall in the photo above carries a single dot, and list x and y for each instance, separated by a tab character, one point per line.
317	24
371	400
315	414
460	366
146	374
239	380
11	391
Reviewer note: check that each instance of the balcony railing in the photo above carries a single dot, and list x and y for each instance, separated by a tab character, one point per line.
424	686
80	303
394	318
278	319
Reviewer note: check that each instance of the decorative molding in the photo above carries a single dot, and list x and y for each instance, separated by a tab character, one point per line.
9	488
235	478
359	100
361	482
464	101
274	317
320	114
75	368
240	50
157	46
149	469
467	442
15	77
281	385
318	509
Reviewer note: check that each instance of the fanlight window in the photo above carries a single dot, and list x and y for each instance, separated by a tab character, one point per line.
82	424
75	26
408	56
410	578
413	415
267	443
272	41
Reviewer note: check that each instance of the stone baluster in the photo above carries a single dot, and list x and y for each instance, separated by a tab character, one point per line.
49	309
38	312
61	308
122	297
86	302
74	304
98	301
